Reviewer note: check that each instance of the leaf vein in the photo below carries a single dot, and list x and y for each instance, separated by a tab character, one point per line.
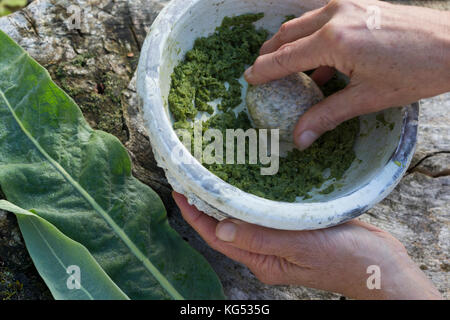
163	281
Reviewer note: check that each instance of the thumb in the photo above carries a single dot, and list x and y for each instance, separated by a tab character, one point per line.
329	113
253	238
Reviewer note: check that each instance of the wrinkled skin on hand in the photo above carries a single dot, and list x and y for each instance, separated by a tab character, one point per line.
405	60
334	259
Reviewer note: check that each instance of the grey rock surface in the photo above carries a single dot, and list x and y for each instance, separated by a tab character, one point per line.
95	65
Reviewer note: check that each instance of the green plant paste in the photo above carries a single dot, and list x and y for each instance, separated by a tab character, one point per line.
210	71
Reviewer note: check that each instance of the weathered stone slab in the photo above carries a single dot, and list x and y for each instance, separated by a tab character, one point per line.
96	64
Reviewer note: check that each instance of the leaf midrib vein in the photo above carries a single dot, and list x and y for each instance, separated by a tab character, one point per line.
57	258
120	233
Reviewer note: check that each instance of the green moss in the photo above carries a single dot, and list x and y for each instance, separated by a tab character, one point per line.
81	59
200	78
9	287
101	104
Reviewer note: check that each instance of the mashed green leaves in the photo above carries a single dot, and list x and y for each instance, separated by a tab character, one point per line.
211	71
299	172
215	63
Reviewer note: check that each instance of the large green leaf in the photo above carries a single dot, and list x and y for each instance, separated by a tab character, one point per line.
79	180
56	255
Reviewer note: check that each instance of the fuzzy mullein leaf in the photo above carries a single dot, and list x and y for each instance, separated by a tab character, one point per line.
79	180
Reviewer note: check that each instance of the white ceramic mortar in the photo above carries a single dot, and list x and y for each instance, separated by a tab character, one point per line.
385	154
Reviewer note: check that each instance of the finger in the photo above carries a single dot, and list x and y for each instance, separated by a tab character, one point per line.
206	228
296	29
322	75
255	238
301	55
203	224
329	113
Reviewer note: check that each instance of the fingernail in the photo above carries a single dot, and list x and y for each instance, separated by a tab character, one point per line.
305	139
226	231
248	74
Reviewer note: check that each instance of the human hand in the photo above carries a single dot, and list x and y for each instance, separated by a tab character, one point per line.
334	259
405	60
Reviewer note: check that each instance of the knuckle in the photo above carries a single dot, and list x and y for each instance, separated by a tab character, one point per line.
333	4
266	44
257	65
332	32
286	49
283	56
282	35
338	3
338	36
